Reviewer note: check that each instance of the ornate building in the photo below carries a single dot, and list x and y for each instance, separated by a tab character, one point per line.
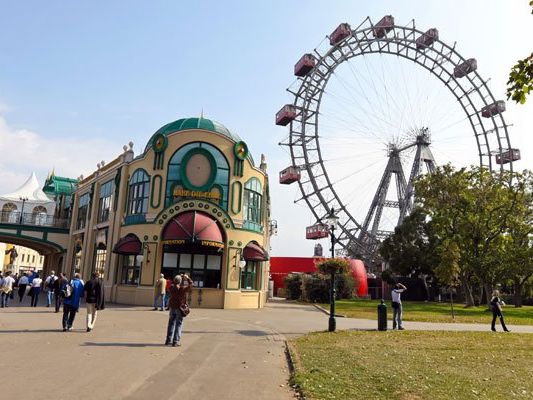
192	202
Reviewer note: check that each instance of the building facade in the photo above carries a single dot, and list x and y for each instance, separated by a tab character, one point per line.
20	259
192	202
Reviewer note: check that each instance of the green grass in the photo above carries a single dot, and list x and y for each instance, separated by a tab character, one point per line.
410	365
434	312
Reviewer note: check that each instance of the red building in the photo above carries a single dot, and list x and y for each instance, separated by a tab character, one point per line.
280	267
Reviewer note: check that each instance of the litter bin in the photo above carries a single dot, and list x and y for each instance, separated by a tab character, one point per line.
382	316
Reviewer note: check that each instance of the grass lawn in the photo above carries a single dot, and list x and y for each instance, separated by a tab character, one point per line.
433	312
410	365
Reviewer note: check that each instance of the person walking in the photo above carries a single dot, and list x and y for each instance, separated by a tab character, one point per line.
49	287
177	303
6	287
59	283
159	292
71	304
23	284
397	306
496	307
35	290
94	299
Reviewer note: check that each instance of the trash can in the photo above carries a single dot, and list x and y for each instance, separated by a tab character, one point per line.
382	316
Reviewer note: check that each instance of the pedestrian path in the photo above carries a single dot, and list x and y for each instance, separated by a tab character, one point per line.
226	354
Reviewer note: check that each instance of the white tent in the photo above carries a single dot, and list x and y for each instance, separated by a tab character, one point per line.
30	196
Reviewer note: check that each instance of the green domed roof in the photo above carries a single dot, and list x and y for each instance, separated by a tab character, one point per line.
193	123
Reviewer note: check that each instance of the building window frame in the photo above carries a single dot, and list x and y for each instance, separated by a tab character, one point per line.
138	193
249	275
83	209
253	205
204	274
105	201
131	270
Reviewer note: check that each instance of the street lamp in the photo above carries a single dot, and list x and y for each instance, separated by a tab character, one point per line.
332	221
24	200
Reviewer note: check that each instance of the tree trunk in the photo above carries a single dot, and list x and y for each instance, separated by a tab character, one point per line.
517	297
467	290
451	302
488	292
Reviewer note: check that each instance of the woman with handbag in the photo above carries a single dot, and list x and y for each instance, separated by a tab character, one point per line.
179	308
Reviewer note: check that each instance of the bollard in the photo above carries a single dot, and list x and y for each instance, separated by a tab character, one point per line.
382	316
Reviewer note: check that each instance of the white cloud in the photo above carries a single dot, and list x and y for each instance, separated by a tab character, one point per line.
23	151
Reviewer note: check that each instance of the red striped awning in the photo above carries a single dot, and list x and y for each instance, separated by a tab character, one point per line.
254	252
129	245
193	227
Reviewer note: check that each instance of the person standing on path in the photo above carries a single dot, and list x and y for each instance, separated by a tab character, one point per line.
35	290
159	292
496	307
59	283
397	306
71	304
178	299
49	287
94	299
6	287
23	284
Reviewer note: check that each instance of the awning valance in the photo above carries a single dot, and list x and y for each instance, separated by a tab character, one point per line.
193	227
129	245
254	252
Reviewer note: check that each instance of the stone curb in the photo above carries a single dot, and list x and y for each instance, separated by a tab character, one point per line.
326	311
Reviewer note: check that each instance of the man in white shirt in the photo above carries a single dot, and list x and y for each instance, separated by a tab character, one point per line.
397	305
35	290
49	285
23	284
6	288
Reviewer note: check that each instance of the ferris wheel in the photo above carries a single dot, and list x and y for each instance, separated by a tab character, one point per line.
373	102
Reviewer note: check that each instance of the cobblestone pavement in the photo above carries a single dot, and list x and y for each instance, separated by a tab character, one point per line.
226	354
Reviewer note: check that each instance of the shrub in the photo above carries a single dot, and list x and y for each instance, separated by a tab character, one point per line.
333	265
293	285
316	287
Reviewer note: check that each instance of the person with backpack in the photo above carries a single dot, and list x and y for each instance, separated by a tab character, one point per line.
59	284
49	287
496	308
72	293
179	308
397	306
94	299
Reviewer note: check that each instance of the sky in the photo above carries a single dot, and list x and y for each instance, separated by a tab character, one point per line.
78	80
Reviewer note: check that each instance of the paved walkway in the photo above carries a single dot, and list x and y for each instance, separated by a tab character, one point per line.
226	354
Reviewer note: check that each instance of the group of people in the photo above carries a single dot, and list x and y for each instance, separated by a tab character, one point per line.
9	284
60	291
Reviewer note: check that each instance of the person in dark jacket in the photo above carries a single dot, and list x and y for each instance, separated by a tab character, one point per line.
178	298
94	299
59	283
496	306
71	304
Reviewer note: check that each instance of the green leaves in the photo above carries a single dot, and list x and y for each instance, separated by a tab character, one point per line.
520	82
333	265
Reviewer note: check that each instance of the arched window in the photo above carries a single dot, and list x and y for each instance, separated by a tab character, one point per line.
39	215
253	200
9	213
138	193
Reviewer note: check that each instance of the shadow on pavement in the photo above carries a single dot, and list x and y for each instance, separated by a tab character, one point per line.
30	331
111	344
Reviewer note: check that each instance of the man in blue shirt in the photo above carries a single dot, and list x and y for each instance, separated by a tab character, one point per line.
71	304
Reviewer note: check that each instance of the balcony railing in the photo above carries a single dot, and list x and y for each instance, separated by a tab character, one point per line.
38	219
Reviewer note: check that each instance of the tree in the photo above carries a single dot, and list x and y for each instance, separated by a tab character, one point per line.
448	269
475	209
410	250
520	81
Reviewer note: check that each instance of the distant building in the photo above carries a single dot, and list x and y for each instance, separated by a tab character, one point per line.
20	259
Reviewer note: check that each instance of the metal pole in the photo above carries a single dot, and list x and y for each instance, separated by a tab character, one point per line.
22	211
332	323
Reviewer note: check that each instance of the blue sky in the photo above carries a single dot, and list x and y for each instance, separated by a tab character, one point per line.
80	79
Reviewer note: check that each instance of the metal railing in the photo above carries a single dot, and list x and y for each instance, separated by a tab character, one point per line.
33	219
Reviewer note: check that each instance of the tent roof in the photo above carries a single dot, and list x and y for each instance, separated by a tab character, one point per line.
29	190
